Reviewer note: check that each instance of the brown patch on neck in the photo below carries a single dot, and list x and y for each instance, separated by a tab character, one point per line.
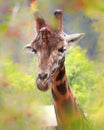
60	88
59	74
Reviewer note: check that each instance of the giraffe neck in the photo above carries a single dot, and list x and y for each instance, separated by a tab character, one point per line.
64	101
60	88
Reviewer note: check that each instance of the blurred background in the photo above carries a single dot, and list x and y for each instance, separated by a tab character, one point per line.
85	63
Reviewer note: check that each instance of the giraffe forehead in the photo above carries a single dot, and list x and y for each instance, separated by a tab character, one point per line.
48	39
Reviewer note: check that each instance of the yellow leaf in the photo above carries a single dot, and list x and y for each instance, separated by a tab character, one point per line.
34	5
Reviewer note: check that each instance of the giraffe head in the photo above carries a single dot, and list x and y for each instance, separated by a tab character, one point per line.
50	45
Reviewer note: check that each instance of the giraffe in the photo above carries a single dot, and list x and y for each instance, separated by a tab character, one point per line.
50	45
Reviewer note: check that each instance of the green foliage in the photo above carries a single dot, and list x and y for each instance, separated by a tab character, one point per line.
14	102
3	27
96	103
18	98
80	72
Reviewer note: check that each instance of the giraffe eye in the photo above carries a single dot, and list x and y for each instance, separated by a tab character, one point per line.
62	49
33	50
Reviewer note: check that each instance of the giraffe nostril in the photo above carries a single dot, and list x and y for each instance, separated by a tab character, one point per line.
42	76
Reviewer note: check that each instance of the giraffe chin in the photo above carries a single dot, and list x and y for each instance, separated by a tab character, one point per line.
43	85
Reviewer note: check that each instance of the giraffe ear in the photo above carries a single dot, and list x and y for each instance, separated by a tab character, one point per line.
28	48
58	20
40	22
74	38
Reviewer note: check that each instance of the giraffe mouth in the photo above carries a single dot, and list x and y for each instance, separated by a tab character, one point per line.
43	85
